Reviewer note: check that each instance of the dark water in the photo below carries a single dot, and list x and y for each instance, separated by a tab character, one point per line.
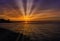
36	32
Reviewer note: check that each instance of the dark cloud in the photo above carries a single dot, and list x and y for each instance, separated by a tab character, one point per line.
10	4
50	4
42	4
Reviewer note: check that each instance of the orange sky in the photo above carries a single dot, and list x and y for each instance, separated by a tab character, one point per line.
15	15
30	10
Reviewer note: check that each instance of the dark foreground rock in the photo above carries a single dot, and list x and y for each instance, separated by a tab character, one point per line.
7	35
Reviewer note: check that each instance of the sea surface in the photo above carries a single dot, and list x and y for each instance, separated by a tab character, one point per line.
37	32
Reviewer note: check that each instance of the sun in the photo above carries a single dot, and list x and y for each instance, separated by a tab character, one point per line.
25	18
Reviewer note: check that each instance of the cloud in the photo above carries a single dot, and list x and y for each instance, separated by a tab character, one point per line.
49	4
46	9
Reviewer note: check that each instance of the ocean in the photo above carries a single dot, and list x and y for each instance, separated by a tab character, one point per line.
36	32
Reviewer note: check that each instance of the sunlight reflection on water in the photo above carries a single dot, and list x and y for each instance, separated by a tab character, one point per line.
33	30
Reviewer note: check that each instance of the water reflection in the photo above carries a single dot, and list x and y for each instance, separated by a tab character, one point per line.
26	29
37	31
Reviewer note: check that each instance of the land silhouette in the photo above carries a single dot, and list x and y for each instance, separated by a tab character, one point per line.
4	21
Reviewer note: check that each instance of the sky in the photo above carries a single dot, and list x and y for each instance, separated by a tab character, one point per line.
39	9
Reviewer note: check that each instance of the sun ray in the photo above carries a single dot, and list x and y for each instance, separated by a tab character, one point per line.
29	6
34	10
32	13
21	7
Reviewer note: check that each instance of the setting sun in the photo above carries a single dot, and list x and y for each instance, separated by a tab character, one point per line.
26	18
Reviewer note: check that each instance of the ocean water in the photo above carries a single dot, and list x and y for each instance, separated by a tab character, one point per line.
36	32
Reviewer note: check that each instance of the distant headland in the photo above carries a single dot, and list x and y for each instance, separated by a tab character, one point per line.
5	21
